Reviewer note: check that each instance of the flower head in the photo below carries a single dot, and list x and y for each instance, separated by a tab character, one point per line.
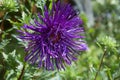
56	39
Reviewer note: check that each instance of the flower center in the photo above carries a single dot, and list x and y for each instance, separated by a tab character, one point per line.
55	37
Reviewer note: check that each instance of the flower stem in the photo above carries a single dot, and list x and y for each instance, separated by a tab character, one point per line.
101	62
22	73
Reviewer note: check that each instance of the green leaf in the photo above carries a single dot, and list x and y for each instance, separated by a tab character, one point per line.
9	5
40	4
4	43
84	18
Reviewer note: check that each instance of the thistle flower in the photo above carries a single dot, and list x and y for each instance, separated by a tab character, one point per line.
56	39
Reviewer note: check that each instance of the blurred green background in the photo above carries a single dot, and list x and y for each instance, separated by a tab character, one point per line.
102	27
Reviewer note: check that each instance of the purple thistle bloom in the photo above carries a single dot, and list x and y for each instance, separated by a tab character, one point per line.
56	40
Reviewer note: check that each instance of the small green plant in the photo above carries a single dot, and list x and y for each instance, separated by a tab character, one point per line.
108	45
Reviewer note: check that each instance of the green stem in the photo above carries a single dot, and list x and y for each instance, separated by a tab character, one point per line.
101	62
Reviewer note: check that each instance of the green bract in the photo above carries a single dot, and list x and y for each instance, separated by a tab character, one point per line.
108	42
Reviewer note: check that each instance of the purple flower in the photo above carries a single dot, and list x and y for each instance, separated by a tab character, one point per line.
56	39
